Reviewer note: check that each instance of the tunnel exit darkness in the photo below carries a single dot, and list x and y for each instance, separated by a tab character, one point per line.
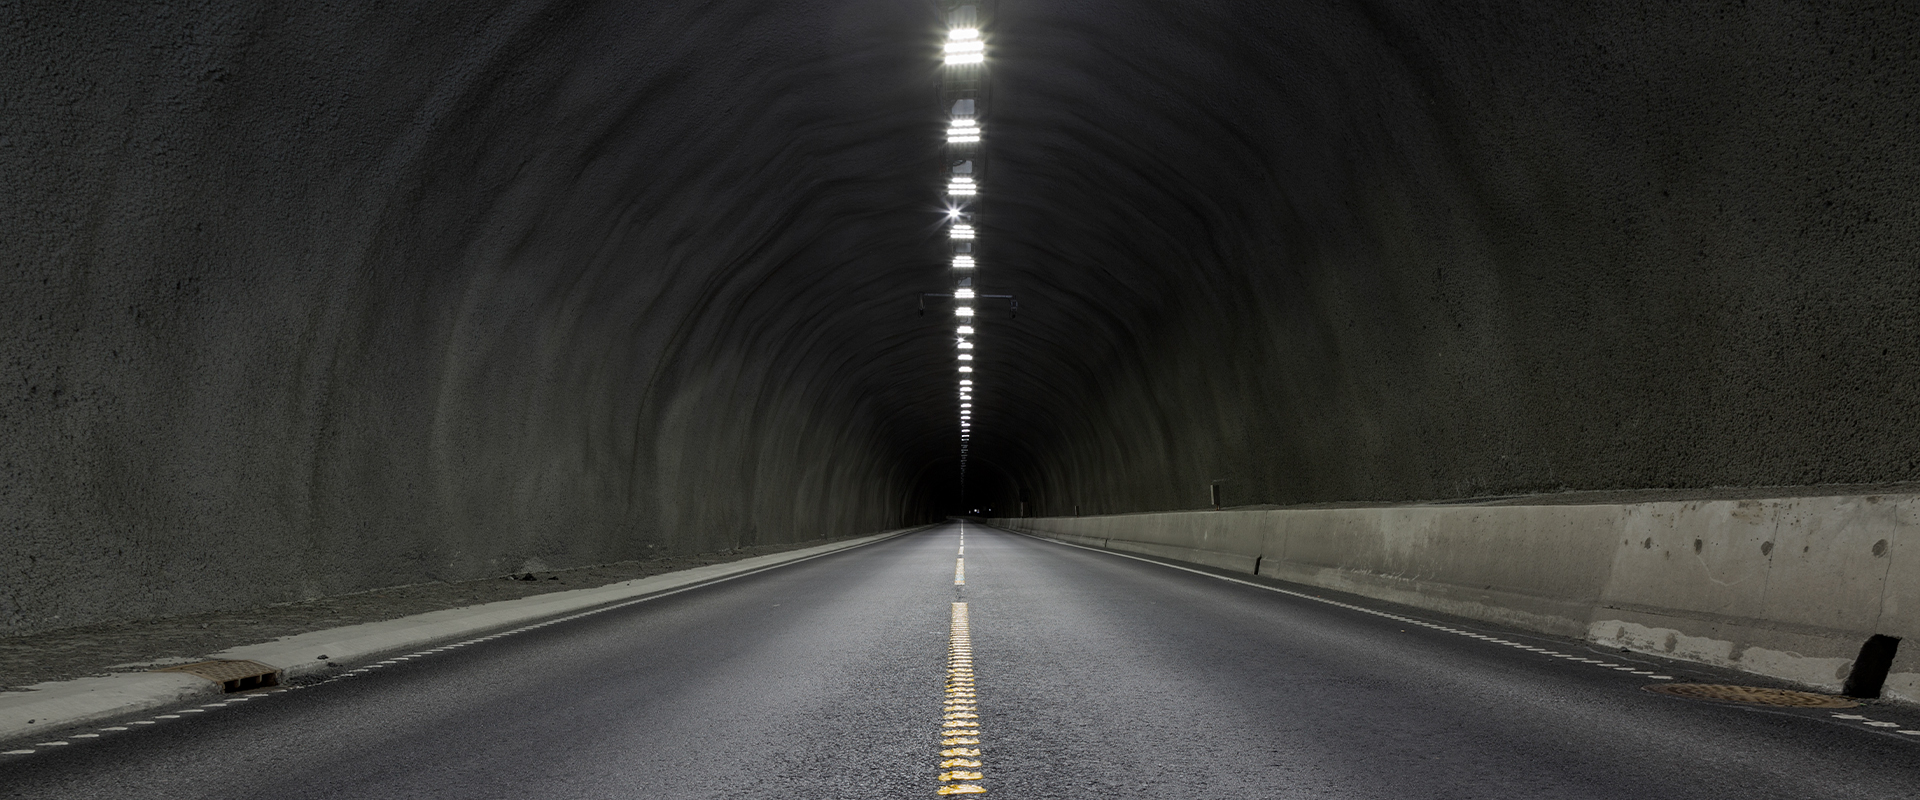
307	299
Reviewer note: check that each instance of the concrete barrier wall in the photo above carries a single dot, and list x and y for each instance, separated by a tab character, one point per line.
1785	587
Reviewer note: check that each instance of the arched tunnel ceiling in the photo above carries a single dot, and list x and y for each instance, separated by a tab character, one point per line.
454	285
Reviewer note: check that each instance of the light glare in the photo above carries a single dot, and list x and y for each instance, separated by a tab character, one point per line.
964	47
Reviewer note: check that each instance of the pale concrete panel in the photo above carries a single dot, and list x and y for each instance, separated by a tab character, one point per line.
1700	557
1830	563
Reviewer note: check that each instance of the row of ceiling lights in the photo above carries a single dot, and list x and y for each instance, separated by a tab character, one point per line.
965	53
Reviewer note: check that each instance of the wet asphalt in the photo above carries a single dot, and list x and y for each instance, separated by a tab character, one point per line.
1097	675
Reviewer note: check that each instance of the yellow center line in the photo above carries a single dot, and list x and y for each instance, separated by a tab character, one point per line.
959	733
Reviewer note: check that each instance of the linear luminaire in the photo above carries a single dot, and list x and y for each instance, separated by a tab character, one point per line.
966	383
964	330
963	311
962	232
963	131
963	262
966	345
965	47
966	369
961	187
963	293
966	356
966	405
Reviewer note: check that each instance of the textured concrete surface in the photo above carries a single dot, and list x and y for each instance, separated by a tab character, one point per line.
1382	251
302	300
308	299
1093	676
1786	587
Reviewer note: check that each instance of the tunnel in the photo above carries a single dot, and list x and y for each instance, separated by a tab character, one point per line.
309	299
305	300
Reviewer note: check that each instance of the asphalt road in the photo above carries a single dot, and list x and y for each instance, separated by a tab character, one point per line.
1093	675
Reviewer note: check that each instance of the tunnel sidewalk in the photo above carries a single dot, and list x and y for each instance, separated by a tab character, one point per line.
104	659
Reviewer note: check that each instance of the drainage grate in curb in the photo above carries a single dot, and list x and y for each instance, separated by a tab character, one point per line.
233	676
1751	694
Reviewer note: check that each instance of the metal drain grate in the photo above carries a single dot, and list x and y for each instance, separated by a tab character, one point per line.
1751	694
233	676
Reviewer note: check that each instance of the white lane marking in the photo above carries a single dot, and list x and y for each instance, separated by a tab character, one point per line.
86	736
51	744
959	572
1349	606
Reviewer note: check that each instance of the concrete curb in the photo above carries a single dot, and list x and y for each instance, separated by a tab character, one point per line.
46	707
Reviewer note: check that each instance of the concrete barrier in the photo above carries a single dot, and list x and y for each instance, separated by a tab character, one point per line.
1787	587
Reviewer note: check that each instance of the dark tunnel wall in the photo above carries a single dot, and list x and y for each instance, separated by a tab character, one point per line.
305	299
311	298
1384	251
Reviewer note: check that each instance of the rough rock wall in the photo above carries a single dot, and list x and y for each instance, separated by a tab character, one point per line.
1389	250
301	299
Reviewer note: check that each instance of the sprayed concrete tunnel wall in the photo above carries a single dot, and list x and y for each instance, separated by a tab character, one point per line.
1393	251
304	299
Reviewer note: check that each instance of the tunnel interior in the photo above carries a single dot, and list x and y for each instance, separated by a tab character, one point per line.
305	299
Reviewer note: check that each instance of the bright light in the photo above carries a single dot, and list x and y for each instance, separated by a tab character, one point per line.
963	131
961	187
966	383
962	231
966	369
966	405
963	293
963	311
963	262
966	345
964	330
966	356
965	47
